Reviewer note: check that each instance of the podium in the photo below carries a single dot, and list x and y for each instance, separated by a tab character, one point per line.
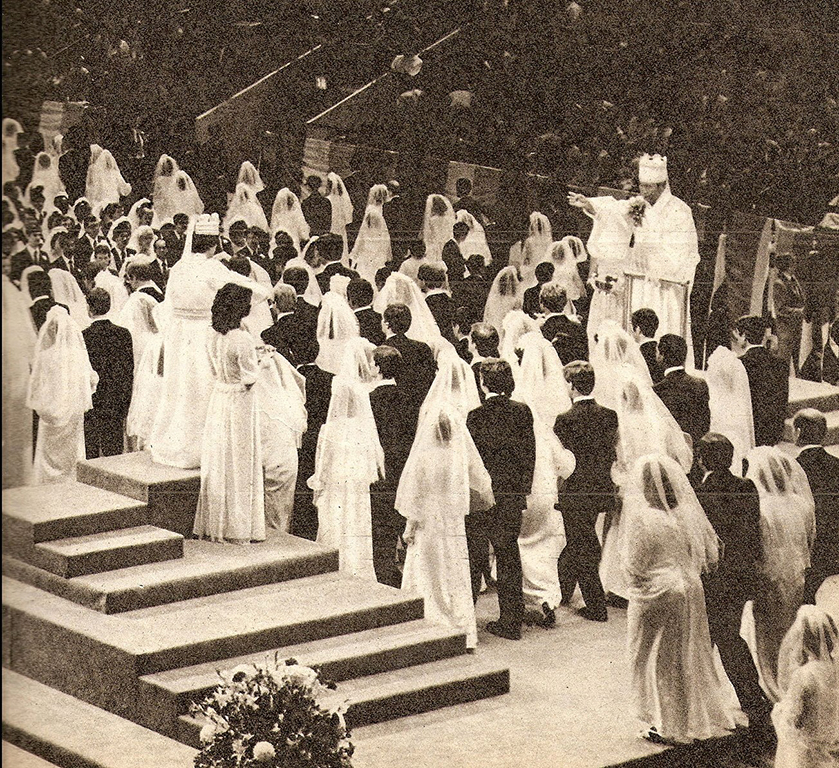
676	296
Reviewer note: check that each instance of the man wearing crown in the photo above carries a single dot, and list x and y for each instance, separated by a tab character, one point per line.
649	247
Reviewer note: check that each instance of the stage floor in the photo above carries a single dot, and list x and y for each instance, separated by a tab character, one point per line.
569	705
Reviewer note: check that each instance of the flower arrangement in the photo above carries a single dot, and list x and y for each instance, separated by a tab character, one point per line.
280	715
606	284
637	208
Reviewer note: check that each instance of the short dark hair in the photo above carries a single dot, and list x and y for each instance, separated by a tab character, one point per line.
812	425
382	275
389	361
330	247
553	297
239	264
544	272
716	452
99	302
110	209
123	226
752	327
497	376
297	278
485	338
138	271
432	275
230	306
238	226
313	182
463	318
39	284
359	292
475	264
580	375
90	220
90	270
646	321
463	186
397	317
673	349
201	243
101	248
180	218
460	229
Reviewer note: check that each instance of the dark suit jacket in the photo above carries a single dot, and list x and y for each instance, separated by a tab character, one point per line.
157	275
396	433
112	357
590	432
279	336
471	292
503	433
568	338
333	268
531	305
317	210
418	368
318	395
82	251
153	292
769	385
454	261
823	473
649	350
120	258
442	308
470	204
370	325
303	332
732	506
686	397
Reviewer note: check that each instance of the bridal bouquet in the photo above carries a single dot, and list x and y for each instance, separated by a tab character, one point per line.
637	208
606	283
279	715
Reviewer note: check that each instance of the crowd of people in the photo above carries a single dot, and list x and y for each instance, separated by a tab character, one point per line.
446	423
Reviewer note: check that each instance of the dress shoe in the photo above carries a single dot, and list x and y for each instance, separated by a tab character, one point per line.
550	616
499	630
588	613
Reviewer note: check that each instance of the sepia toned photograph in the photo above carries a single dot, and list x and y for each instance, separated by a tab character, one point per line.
420	384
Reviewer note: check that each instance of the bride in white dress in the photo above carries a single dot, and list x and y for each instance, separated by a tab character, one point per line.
730	400
443	471
437	225
349	459
678	691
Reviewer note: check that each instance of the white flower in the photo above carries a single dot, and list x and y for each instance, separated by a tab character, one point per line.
208	733
263	751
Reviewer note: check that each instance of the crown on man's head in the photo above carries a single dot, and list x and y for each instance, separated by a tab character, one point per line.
652	169
207	224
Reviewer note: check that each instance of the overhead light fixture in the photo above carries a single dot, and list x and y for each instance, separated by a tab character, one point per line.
320	83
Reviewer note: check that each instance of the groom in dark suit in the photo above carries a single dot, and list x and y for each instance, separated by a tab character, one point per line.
503	434
590	432
732	506
768	379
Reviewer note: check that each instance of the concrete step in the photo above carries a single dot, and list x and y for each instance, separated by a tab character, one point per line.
37	513
812	394
14	757
206	568
99	552
99	658
166	695
404	692
170	493
832	436
64	731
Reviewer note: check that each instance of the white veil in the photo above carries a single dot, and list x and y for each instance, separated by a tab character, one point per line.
437	226
249	176
342	207
377	195
45	175
162	182
399	289
337	325
11	130
454	385
730	399
535	246
565	274
371	250
787	515
476	239
244	206
644	422
105	183
66	290
541	382
505	295
515	325
286	214
659	500
614	349
133	215
62	381
357	361
812	637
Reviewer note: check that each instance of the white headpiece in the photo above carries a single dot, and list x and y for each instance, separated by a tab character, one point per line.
207	224
652	169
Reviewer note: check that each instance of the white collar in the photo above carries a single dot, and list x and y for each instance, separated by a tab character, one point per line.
646	340
673	368
580	398
753	346
808	447
490	395
284	314
553	314
385	383
361	309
